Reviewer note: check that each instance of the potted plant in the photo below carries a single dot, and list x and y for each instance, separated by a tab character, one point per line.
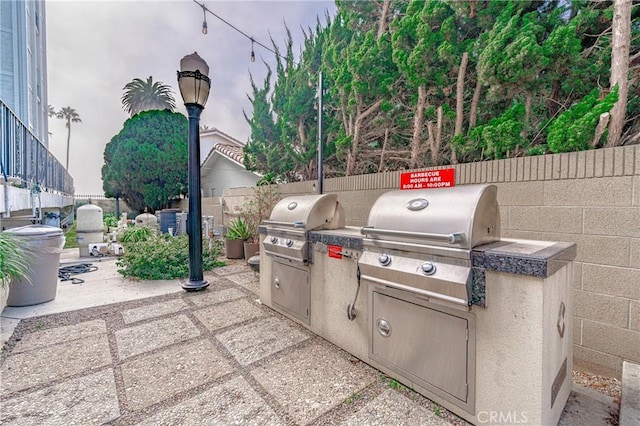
13	264
254	211
237	234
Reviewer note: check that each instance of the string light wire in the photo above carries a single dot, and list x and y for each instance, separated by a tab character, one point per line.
252	39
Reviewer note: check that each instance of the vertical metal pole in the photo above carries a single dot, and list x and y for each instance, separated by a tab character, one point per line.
320	137
194	217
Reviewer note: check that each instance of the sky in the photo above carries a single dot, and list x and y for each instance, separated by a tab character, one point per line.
94	48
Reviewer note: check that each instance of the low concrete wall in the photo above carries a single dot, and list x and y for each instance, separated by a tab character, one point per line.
591	198
108	205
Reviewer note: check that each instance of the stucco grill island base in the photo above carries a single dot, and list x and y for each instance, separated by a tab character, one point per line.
493	345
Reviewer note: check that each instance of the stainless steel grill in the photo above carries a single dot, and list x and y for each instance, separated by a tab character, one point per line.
287	245
292	219
416	266
421	241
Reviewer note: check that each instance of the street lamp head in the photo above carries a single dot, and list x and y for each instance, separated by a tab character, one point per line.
193	80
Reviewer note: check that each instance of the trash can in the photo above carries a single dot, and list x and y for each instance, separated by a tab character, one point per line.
43	245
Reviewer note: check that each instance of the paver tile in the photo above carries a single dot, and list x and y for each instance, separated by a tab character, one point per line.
153	335
392	408
226	314
209	297
152	311
247	280
259	339
156	377
85	400
312	380
231	269
231	403
39	366
56	335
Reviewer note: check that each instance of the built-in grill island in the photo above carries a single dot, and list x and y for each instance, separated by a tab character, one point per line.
428	292
287	245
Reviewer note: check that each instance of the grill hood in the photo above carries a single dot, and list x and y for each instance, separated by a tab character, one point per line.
308	212
461	217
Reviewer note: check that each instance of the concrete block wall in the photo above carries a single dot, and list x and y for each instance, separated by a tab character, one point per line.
591	198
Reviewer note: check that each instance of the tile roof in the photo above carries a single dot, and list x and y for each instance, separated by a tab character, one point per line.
232	152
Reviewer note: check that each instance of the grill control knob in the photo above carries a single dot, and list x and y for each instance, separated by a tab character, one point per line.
274	240
428	268
276	283
289	243
384	259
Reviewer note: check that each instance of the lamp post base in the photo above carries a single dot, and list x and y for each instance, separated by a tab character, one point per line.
195	285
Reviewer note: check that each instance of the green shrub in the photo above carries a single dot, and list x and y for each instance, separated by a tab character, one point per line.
13	260
574	129
238	230
163	258
136	235
110	220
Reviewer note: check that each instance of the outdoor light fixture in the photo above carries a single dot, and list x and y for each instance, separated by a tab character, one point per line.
204	22
194	84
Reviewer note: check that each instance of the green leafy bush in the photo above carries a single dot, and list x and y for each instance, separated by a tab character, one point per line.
163	258
135	235
110	220
574	129
498	138
238	230
13	260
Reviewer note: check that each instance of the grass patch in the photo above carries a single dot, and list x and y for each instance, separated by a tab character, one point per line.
71	237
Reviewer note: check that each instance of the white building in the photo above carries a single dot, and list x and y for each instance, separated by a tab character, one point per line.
23	64
32	181
222	164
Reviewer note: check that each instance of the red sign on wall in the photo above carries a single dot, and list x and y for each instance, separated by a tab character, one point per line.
443	178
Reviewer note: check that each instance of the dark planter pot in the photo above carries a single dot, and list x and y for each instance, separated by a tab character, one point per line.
251	249
234	249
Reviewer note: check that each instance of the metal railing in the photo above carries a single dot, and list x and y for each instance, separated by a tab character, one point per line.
24	157
91	197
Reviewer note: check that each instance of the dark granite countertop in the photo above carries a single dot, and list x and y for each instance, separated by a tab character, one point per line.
523	257
349	237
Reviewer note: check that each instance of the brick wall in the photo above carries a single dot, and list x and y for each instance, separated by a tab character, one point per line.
591	198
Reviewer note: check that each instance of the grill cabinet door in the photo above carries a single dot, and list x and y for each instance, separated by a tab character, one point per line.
290	290
426	345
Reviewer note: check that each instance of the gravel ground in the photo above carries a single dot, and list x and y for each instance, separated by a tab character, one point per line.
609	386
115	322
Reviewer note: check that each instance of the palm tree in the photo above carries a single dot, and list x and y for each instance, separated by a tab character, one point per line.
71	116
52	111
142	95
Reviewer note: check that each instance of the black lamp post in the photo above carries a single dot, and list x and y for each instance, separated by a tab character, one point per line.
194	86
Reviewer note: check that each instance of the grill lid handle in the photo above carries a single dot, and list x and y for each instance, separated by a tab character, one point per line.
453	238
298	224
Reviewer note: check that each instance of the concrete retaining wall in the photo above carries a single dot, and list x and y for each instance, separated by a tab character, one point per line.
591	198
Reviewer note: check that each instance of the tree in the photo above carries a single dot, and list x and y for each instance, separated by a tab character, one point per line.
52	111
70	115
147	162
415	83
620	45
140	95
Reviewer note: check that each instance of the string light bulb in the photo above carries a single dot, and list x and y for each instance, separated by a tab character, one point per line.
204	22
253	54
